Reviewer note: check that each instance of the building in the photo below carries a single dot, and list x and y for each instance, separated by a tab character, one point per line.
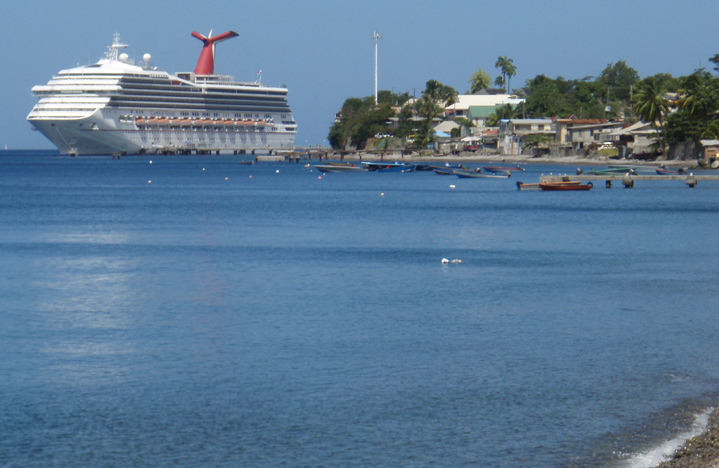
513	132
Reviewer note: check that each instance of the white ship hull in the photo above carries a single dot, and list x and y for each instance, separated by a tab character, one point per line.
102	133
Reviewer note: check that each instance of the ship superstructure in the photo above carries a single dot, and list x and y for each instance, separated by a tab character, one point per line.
115	106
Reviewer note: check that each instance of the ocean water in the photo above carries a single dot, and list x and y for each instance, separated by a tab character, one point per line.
191	311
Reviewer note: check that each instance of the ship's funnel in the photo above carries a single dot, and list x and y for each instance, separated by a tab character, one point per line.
206	62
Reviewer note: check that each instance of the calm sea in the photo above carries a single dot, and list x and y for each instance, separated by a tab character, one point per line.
191	311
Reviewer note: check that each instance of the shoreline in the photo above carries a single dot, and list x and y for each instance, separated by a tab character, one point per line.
701	451
517	159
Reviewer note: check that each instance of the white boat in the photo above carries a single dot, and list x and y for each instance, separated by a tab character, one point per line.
340	167
115	106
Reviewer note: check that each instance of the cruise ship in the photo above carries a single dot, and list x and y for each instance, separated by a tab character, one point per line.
117	107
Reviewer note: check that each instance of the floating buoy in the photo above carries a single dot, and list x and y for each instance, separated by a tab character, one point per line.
226	178
150	162
381	194
149	181
456	260
451	186
319	177
203	168
277	171
250	177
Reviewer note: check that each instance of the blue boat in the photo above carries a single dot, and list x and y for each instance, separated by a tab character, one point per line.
478	175
388	167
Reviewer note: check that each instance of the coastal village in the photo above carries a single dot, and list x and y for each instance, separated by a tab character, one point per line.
659	118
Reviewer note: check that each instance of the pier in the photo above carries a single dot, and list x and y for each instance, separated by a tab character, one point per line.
628	180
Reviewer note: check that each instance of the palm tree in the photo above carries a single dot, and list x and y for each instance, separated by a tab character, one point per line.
651	105
480	80
711	132
689	90
507	67
510	71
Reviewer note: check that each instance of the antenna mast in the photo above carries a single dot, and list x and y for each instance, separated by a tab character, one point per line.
376	38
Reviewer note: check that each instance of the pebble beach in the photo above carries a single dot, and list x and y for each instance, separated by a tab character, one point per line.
701	451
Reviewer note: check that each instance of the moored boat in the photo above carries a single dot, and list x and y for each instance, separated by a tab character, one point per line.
665	171
339	167
478	175
496	169
388	167
563	186
522	186
612	171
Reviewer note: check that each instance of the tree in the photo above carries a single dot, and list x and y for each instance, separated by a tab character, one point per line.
480	80
711	132
699	96
506	111
651	105
507	67
360	119
619	78
715	60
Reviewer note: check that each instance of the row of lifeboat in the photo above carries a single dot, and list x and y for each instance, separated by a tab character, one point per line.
139	120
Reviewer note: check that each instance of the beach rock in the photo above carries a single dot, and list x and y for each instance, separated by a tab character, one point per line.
700	452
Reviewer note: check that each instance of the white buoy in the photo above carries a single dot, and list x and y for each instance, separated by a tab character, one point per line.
451	186
150	162
149	181
277	171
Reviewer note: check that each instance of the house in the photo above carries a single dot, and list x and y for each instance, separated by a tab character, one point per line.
637	138
513	132
465	101
582	136
710	150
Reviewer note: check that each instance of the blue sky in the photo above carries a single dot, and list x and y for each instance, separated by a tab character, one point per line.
324	52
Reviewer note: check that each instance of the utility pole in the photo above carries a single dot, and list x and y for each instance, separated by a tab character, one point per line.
376	37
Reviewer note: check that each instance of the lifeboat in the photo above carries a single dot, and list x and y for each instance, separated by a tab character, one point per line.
260	122
140	121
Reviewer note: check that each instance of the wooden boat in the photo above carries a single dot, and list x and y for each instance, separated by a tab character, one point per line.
388	167
665	171
560	186
496	169
613	171
448	170
478	175
522	186
340	167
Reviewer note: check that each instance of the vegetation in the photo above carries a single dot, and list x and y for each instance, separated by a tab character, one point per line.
682	109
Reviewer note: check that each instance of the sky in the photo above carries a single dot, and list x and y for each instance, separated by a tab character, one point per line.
323	51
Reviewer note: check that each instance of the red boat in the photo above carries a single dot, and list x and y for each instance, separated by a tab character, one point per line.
556	186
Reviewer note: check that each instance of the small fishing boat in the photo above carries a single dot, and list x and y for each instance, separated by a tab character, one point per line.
447	169
462	174
522	186
496	169
665	171
247	163
561	186
388	167
339	167
613	171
